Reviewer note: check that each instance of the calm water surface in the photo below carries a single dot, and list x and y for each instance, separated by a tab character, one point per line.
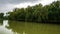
16	27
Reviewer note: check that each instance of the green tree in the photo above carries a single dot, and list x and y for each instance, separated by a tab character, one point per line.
1	15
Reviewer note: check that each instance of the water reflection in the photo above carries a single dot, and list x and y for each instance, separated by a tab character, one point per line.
1	22
3	29
16	27
5	23
33	28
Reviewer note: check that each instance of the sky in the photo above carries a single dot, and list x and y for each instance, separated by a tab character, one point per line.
8	5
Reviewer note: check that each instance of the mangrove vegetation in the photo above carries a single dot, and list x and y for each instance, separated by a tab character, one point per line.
38	13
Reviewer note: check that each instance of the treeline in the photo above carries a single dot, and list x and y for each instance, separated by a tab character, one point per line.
1	16
38	13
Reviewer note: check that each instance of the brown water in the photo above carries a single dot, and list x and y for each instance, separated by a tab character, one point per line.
16	27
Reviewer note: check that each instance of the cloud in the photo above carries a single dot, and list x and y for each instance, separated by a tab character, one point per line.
7	5
46	2
15	1
5	8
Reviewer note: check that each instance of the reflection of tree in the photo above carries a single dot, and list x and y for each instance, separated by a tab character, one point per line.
1	22
16	26
21	27
33	28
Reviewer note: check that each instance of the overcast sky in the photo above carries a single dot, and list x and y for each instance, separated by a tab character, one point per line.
8	5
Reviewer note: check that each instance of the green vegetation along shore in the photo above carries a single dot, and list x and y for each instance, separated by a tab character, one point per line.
38	13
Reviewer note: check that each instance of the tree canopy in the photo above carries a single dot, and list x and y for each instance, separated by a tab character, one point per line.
1	15
37	13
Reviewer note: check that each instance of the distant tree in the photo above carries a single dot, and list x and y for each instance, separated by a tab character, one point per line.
1	15
37	13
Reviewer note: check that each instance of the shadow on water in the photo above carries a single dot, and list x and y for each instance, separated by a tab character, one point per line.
1	22
33	28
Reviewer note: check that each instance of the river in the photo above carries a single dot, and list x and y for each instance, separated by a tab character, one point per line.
17	27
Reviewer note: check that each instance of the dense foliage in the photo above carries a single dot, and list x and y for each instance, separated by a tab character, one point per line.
1	15
37	13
